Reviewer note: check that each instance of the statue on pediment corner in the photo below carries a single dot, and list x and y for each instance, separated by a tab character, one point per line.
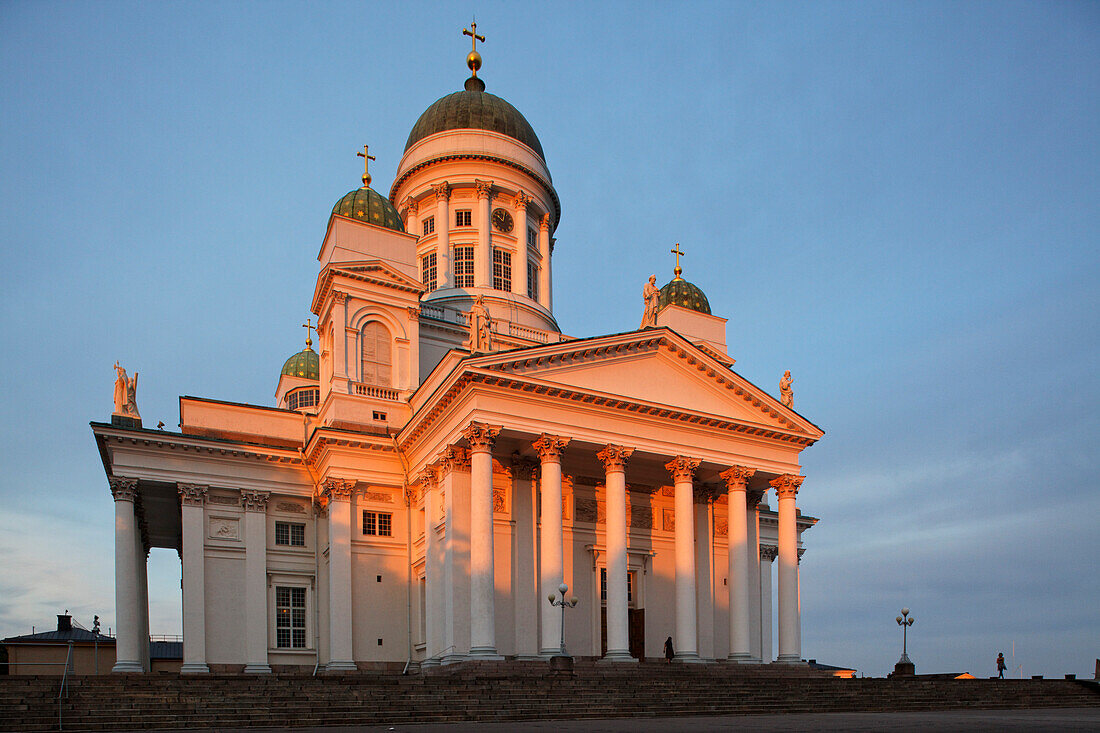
651	294
125	393
786	394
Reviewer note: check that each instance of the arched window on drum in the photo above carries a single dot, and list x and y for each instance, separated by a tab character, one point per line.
377	356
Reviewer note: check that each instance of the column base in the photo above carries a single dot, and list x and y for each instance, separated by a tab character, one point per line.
433	662
194	668
688	658
742	658
554	651
617	656
789	659
127	667
337	666
453	659
484	653
257	669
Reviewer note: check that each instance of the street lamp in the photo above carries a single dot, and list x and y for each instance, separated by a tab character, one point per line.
571	603
905	666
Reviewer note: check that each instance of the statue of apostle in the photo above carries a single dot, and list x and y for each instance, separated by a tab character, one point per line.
125	393
786	394
481	327
651	294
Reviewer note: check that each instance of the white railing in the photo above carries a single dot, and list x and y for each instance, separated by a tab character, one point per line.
380	393
504	328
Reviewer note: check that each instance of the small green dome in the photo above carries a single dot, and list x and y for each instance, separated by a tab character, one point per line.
475	109
366	204
682	293
304	364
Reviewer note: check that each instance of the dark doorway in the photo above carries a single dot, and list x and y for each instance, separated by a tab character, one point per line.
636	630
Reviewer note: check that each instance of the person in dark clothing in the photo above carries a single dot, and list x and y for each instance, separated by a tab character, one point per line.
669	652
1001	665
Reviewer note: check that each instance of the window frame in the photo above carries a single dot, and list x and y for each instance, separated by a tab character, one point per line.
533	280
294	587
378	520
291	534
464	215
428	226
465	277
385	347
429	272
502	264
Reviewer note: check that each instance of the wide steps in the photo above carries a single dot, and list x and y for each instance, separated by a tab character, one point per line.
496	692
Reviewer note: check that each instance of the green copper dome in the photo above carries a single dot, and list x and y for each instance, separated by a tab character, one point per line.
304	364
366	204
682	293
475	109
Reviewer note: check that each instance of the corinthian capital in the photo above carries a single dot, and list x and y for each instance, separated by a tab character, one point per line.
682	468
481	436
192	494
338	489
736	477
339	296
254	501
614	457
442	191
454	458
786	486
522	200
550	447
484	188
768	553
522	468
411	206
544	223
122	488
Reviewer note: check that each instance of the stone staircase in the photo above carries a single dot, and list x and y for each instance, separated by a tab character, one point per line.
496	692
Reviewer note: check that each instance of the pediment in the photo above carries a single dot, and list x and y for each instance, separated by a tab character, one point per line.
657	368
373	272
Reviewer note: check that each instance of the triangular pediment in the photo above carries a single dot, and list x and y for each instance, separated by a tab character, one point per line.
372	272
656	367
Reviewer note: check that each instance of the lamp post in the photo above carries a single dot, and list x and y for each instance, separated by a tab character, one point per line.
562	661
904	667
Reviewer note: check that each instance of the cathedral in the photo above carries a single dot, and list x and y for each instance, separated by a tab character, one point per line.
448	476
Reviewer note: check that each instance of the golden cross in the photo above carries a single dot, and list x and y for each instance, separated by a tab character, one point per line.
676	251
366	165
309	332
474	37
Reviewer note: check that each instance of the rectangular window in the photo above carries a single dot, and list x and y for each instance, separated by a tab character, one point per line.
429	225
502	270
378	524
629	586
464	267
463	218
290	533
532	239
532	280
428	271
290	618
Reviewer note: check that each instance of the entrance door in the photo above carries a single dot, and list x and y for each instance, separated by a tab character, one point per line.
637	632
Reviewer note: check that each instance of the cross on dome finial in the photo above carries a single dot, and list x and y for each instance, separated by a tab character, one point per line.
366	165
308	326
473	59
676	251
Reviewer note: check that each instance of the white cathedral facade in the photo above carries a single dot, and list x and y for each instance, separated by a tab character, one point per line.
447	457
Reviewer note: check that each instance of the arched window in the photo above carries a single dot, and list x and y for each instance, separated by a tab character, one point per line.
377	360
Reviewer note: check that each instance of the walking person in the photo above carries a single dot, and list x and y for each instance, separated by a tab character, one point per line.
1001	665
669	652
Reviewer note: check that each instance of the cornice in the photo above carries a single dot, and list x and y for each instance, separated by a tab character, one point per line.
490	158
185	444
321	441
360	273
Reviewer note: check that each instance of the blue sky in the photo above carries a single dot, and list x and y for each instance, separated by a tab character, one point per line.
899	202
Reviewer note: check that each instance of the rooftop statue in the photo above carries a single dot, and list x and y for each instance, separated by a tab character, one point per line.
125	393
786	394
651	295
481	328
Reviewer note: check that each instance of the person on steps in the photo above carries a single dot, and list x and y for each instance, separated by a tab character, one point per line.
1001	665
669	652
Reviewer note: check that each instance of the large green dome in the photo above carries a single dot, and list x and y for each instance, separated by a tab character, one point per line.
475	109
682	293
366	204
304	364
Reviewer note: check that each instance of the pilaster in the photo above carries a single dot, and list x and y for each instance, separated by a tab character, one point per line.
255	580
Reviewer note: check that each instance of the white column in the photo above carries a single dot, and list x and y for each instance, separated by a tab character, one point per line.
551	574
455	632
614	459
752	518
736	479
704	575
767	619
544	266
127	622
141	554
519	264
339	316
433	583
341	654
255	581
786	488
412	221
444	272
482	568
525	582
193	554
685	642
483	258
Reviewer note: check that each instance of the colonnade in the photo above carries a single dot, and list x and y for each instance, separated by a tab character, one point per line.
744	557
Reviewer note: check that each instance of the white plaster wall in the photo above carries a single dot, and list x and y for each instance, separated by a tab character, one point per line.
225	613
